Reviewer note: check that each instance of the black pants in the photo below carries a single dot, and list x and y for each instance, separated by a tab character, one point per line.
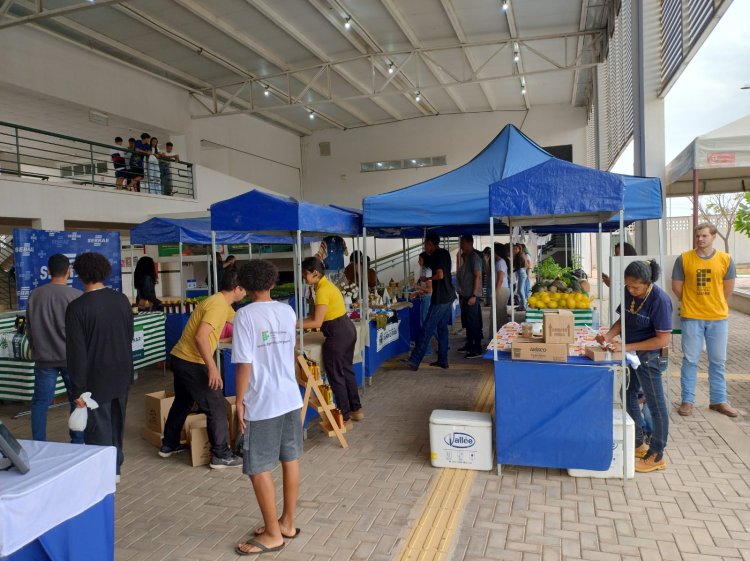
338	360
472	321
191	386
106	425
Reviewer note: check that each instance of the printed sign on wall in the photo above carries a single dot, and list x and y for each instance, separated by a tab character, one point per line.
34	247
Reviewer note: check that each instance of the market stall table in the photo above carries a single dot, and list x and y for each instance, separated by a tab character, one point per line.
41	519
554	415
392	340
17	376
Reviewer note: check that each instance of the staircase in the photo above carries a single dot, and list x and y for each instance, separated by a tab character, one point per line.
8	297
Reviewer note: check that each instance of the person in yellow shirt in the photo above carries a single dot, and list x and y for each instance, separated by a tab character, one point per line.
703	280
197	378
330	316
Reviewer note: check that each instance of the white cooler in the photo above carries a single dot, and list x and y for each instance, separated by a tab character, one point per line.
615	468
461	439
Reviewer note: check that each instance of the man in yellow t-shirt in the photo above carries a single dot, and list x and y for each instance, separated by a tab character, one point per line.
703	280
197	378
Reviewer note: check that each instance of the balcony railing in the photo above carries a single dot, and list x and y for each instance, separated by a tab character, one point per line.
45	156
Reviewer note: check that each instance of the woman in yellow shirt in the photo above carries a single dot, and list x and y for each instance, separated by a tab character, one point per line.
341	336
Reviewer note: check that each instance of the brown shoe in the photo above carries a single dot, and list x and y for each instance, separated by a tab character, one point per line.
641	451
724	409
685	409
649	463
357	415
348	424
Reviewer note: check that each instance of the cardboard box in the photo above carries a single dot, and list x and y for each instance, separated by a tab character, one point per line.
559	327
197	435
597	354
539	351
151	436
157	409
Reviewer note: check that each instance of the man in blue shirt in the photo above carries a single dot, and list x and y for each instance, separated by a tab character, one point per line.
142	148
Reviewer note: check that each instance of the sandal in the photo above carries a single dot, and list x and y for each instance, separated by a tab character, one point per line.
262	529
260	546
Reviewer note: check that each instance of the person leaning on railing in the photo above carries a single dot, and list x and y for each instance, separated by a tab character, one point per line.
166	172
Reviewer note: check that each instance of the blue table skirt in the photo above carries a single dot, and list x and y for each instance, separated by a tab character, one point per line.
553	415
373	358
86	537
173	328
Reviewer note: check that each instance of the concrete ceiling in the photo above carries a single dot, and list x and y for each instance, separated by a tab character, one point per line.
289	60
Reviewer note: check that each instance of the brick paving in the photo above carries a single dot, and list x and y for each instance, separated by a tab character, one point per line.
360	503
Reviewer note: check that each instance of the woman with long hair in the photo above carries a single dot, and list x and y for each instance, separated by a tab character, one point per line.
502	287
145	279
521	274
330	316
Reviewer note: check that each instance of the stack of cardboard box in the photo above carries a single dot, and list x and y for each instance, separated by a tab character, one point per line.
194	432
557	333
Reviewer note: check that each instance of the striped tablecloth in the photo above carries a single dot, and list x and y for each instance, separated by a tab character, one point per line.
17	376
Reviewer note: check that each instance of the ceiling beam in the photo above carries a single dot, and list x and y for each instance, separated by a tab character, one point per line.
410	34
179	78
54	13
458	29
366	45
4	7
282	23
384	93
510	14
246	41
579	49
194	45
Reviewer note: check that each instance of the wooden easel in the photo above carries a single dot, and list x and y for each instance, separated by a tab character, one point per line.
312	386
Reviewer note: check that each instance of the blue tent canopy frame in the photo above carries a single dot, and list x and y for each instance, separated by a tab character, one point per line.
194	231
260	212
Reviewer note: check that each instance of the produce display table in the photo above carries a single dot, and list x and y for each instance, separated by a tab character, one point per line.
63	509
580	317
553	415
389	342
17	376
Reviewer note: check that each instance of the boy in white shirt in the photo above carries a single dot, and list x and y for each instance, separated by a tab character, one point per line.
268	403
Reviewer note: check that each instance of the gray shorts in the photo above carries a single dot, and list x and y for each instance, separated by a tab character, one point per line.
270	441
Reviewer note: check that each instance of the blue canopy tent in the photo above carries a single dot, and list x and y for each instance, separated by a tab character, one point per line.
543	196
160	230
261	212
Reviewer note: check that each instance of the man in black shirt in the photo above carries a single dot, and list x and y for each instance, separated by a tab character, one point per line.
99	330
441	305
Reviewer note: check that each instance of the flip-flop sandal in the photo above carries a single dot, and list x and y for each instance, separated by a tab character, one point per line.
259	531
260	546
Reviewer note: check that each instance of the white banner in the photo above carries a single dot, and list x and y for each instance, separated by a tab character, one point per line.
387	335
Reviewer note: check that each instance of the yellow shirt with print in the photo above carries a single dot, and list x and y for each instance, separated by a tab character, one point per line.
326	294
703	289
215	311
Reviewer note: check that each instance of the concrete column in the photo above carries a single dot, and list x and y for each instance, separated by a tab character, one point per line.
648	109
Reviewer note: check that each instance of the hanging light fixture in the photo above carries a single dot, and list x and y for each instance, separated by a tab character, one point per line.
347	22
312	115
418	97
266	91
390	68
505	5
516	53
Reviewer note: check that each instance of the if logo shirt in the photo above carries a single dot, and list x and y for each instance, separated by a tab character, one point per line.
703	289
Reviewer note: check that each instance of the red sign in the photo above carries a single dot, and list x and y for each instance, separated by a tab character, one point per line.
721	159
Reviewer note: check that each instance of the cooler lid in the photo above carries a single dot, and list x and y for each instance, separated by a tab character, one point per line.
463	418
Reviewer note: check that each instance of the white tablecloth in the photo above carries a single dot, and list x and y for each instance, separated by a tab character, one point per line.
64	481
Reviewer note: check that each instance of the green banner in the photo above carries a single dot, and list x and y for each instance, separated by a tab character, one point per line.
169	249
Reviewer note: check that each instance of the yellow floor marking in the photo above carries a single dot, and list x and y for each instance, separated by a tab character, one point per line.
431	537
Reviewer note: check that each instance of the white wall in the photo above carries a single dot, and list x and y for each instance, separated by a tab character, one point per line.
51	204
51	84
337	178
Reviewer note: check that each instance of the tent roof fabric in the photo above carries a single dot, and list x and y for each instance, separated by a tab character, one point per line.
722	156
459	197
257	211
194	231
557	192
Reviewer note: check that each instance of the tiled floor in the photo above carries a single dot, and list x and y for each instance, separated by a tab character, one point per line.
361	503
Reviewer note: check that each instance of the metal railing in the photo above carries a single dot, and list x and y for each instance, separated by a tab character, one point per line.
46	156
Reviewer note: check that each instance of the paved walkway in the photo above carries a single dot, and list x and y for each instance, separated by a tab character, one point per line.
362	503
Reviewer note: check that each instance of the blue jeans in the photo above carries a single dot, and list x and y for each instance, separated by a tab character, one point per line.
522	279
435	323
45	380
649	378
716	334
423	309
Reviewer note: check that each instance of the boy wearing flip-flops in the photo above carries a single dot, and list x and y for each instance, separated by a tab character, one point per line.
268	404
